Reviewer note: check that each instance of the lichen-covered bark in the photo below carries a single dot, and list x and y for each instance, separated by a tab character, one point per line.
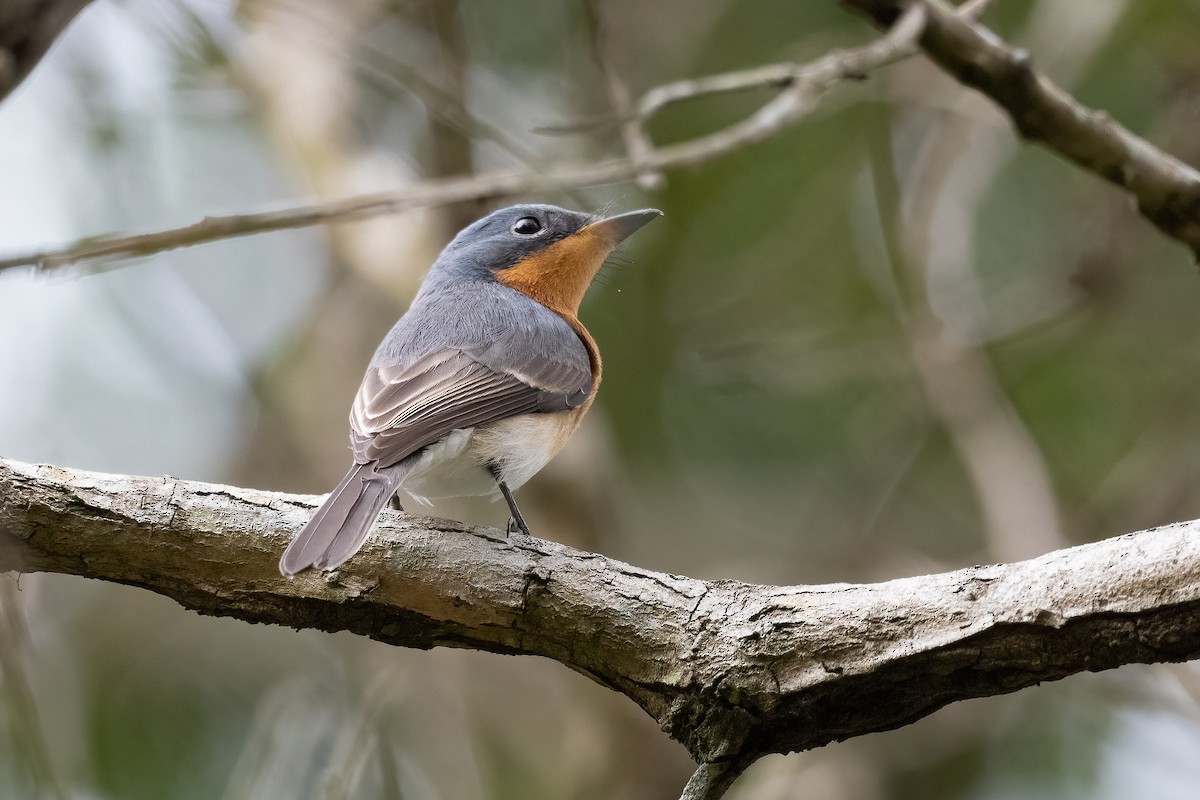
732	670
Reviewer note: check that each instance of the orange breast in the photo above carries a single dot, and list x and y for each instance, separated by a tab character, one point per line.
557	277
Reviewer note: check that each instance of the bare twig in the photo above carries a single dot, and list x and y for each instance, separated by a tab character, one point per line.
770	76
796	101
1167	190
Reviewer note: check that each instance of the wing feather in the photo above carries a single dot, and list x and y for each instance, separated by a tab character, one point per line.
401	409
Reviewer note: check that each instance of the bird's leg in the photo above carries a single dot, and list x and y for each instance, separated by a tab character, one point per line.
516	523
394	503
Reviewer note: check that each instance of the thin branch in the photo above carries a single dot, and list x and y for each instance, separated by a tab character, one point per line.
796	101
1167	190
731	670
770	76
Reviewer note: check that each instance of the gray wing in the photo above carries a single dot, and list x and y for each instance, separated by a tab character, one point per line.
403	408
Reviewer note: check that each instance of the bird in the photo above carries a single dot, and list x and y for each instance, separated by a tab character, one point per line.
480	382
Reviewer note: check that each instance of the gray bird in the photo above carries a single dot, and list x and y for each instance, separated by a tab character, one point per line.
483	379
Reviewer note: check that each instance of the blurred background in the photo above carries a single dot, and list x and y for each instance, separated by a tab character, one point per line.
891	340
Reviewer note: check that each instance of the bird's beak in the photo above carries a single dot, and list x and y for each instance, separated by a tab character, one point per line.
558	275
615	230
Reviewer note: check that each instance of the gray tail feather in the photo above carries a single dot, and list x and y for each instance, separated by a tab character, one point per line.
338	529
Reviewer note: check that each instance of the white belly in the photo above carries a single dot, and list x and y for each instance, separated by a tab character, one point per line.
457	466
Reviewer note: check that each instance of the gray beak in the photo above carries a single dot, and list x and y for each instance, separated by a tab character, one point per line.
619	228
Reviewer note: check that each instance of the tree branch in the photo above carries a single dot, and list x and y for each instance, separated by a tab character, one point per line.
1167	190
27	29
711	780
798	99
731	670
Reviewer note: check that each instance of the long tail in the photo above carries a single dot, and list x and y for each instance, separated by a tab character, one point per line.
338	529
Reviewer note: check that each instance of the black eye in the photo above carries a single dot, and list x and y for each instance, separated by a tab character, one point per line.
527	226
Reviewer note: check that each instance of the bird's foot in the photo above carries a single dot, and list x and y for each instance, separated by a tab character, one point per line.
517	527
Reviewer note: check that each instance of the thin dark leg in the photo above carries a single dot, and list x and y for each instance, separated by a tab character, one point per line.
516	522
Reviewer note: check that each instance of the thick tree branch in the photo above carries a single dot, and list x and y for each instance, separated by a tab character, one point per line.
731	670
799	97
1167	190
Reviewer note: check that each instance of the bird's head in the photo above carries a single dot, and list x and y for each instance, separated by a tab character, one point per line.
548	253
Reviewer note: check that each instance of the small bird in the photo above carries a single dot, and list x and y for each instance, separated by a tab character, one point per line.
481	382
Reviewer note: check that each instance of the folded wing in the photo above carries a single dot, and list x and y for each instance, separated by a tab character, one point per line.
401	409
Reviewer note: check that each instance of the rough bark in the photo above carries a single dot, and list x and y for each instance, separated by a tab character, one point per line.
732	670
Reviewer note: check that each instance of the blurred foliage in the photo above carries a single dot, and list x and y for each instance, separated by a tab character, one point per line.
765	414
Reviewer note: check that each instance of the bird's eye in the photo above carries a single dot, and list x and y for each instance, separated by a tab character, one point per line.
527	226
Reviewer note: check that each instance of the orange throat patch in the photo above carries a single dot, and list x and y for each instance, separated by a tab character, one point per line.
558	276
